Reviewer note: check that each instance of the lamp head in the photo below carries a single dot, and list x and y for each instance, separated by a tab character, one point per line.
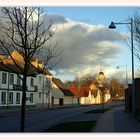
117	67
112	25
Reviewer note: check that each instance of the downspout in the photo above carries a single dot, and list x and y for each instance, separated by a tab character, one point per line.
49	98
8	93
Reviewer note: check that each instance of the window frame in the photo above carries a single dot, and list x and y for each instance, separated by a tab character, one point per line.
31	98
11	82
40	79
40	95
32	82
18	80
10	101
3	102
17	97
4	78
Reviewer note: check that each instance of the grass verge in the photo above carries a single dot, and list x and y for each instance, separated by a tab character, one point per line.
82	126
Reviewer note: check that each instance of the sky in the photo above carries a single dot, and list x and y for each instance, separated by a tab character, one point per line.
89	46
87	43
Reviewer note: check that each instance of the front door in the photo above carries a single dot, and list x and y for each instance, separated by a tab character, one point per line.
61	101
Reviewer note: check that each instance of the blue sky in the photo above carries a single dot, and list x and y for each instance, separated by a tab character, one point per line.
94	15
100	16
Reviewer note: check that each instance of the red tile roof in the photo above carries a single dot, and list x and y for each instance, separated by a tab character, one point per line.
84	91
75	90
79	92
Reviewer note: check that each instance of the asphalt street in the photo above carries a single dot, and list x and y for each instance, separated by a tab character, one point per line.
37	121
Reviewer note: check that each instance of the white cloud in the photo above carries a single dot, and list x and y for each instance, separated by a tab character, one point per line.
88	45
91	46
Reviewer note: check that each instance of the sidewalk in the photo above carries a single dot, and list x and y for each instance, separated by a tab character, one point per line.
116	120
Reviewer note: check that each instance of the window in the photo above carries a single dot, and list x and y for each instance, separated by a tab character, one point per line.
4	78
17	98
39	95
32	82
3	97
40	79
31	98
47	95
27	98
18	80
48	83
11	98
11	79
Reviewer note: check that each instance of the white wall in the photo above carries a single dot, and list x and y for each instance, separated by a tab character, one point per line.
94	100
9	88
42	94
75	100
14	98
56	101
54	91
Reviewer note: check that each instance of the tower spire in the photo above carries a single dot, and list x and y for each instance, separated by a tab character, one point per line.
100	69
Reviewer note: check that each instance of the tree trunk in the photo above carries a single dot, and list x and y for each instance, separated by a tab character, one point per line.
23	105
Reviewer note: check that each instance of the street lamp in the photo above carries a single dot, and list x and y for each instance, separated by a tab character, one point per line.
126	75
101	79
112	26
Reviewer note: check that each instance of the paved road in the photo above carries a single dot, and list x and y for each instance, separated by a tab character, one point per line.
38	121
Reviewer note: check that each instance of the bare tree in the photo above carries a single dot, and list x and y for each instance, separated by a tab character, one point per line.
23	29
85	80
136	35
116	88
49	55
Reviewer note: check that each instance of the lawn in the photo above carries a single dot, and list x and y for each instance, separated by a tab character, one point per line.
82	126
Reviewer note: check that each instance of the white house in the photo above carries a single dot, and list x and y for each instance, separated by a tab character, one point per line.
61	95
53	92
43	99
90	94
43	89
11	89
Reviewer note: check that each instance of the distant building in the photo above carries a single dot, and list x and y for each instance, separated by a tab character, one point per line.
96	93
87	95
61	95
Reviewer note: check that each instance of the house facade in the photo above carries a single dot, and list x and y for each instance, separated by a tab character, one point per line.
11	90
88	95
43	89
61	95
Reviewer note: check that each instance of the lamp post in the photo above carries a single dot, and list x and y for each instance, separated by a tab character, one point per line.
126	75
112	26
43	92
101	79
